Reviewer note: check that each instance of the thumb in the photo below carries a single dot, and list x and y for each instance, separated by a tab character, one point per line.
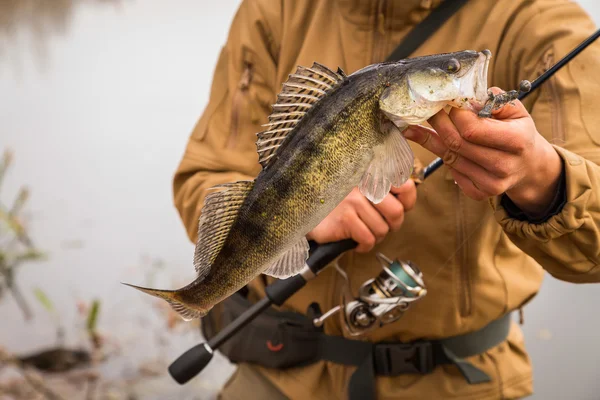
512	110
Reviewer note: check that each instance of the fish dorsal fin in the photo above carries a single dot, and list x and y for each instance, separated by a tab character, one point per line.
392	164
291	262
300	92
218	213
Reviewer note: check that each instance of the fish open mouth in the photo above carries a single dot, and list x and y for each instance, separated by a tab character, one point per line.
480	81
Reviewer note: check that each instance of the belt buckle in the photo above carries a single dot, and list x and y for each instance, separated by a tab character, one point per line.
404	358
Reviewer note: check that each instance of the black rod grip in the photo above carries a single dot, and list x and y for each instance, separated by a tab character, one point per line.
193	361
280	291
190	363
327	252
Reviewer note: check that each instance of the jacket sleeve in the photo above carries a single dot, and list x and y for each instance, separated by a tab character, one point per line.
566	113
221	147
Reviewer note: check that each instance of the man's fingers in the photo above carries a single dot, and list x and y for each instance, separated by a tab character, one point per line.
493	132
429	139
372	218
360	233
426	137
392	210
470	159
481	178
454	150
485	131
406	194
447	131
467	186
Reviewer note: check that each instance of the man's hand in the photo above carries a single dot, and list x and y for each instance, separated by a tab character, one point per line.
366	223
491	156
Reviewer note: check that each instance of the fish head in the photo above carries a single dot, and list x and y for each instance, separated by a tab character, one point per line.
420	87
458	79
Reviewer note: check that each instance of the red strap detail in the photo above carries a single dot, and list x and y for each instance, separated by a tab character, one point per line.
273	347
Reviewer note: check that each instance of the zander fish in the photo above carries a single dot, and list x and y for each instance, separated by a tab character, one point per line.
328	133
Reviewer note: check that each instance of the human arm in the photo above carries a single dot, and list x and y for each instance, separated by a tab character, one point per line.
560	136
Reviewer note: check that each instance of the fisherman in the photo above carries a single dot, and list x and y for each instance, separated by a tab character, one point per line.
517	195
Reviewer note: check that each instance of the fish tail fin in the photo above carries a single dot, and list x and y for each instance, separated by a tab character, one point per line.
185	310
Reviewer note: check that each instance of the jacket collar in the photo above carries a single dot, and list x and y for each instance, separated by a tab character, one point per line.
385	14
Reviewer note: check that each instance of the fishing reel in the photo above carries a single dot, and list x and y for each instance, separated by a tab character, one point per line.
381	300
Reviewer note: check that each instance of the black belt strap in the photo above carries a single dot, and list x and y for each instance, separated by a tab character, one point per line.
420	357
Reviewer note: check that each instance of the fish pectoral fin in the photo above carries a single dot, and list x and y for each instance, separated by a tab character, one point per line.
291	262
392	164
218	214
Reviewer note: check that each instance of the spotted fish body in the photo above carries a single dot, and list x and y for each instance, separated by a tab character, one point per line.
328	134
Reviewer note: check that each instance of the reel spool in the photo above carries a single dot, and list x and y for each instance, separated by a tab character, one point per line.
381	300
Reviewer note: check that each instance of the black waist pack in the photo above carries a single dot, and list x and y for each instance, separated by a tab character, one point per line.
274	339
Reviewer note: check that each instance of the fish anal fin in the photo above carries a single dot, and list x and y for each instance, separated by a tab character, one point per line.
185	312
392	164
291	262
304	88
218	214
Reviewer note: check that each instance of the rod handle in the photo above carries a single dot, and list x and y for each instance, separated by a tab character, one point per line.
191	363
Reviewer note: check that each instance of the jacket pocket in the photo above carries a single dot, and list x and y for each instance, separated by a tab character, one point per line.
584	88
240	104
553	97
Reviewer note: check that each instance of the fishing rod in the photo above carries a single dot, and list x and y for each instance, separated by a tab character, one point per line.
381	300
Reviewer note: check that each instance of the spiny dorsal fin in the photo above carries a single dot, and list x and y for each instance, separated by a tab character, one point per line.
218	213
300	92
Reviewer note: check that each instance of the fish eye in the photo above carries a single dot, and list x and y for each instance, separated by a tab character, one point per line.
453	65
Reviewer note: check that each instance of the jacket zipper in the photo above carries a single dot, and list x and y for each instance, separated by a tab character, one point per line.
237	102
558	133
464	280
379	33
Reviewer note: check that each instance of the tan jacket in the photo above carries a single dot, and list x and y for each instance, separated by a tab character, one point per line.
478	263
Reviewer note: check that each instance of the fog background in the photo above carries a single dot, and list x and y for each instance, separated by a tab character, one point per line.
98	115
